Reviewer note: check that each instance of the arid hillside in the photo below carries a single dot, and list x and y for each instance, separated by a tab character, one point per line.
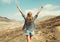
4	19
47	30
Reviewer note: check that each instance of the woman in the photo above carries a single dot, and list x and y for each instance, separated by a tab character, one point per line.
29	23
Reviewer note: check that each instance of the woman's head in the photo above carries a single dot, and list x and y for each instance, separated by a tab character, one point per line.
29	14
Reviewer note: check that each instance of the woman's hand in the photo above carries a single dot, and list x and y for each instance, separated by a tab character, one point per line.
42	7
40	10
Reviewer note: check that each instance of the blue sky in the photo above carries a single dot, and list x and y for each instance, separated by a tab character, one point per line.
8	8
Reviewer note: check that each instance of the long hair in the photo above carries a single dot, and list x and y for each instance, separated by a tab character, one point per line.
29	17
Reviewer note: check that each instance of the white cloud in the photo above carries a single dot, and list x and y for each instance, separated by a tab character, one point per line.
7	1
16	16
53	13
51	6
48	6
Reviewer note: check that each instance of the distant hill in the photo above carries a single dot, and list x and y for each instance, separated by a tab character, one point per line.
4	19
7	19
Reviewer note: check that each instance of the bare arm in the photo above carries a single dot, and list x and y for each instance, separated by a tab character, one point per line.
40	10
20	10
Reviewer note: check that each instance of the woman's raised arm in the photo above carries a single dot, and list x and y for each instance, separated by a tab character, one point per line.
40	10
20	10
